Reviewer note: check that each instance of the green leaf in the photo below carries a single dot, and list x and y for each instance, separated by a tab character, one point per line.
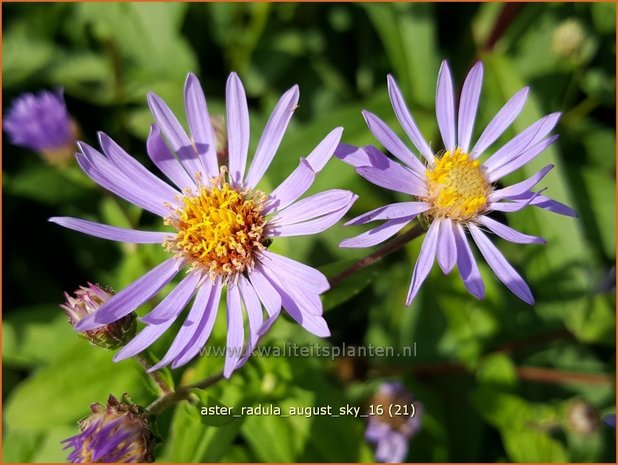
522	426
88	76
27	330
604	16
593	320
530	446
43	184
24	55
209	402
402	27
192	439
60	393
350	286
497	370
148	34
20	445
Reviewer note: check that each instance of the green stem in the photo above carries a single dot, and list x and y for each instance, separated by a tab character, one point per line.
182	393
146	363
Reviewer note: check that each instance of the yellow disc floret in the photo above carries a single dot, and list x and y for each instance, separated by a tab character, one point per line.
219	229
457	186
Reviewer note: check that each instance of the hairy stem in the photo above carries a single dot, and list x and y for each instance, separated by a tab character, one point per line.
383	251
145	362
180	394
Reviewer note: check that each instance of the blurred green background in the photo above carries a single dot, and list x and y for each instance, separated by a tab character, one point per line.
472	371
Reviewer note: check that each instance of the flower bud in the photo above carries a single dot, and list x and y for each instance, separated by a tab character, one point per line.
568	39
394	418
119	432
582	418
218	125
41	122
86	301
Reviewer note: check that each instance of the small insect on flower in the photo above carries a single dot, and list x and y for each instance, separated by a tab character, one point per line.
454	192
88	300
393	422
119	432
41	122
221	226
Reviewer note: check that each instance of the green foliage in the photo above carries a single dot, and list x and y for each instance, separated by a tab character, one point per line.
467	353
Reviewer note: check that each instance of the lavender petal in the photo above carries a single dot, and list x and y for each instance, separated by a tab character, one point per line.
324	150
391	142
305	277
446	252
530	136
469	104
204	330
524	158
509	234
237	127
174	302
295	185
142	341
272	135
165	160
466	264
376	235
390	212
266	292
445	107
313	226
393	177
504	271
299	306
313	206
200	125
134	170
112	233
424	262
254	314
537	200
235	331
500	122
407	122
132	296
189	328
175	134
104	173
520	187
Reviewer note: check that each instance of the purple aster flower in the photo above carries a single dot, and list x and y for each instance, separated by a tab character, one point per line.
453	191
87	300
222	226
41	122
119	432
396	420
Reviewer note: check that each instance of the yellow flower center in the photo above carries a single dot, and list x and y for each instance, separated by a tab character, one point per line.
219	229
458	188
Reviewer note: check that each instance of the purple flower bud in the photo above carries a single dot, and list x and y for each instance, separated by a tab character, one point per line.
120	432
86	301
218	125
394	418
41	122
